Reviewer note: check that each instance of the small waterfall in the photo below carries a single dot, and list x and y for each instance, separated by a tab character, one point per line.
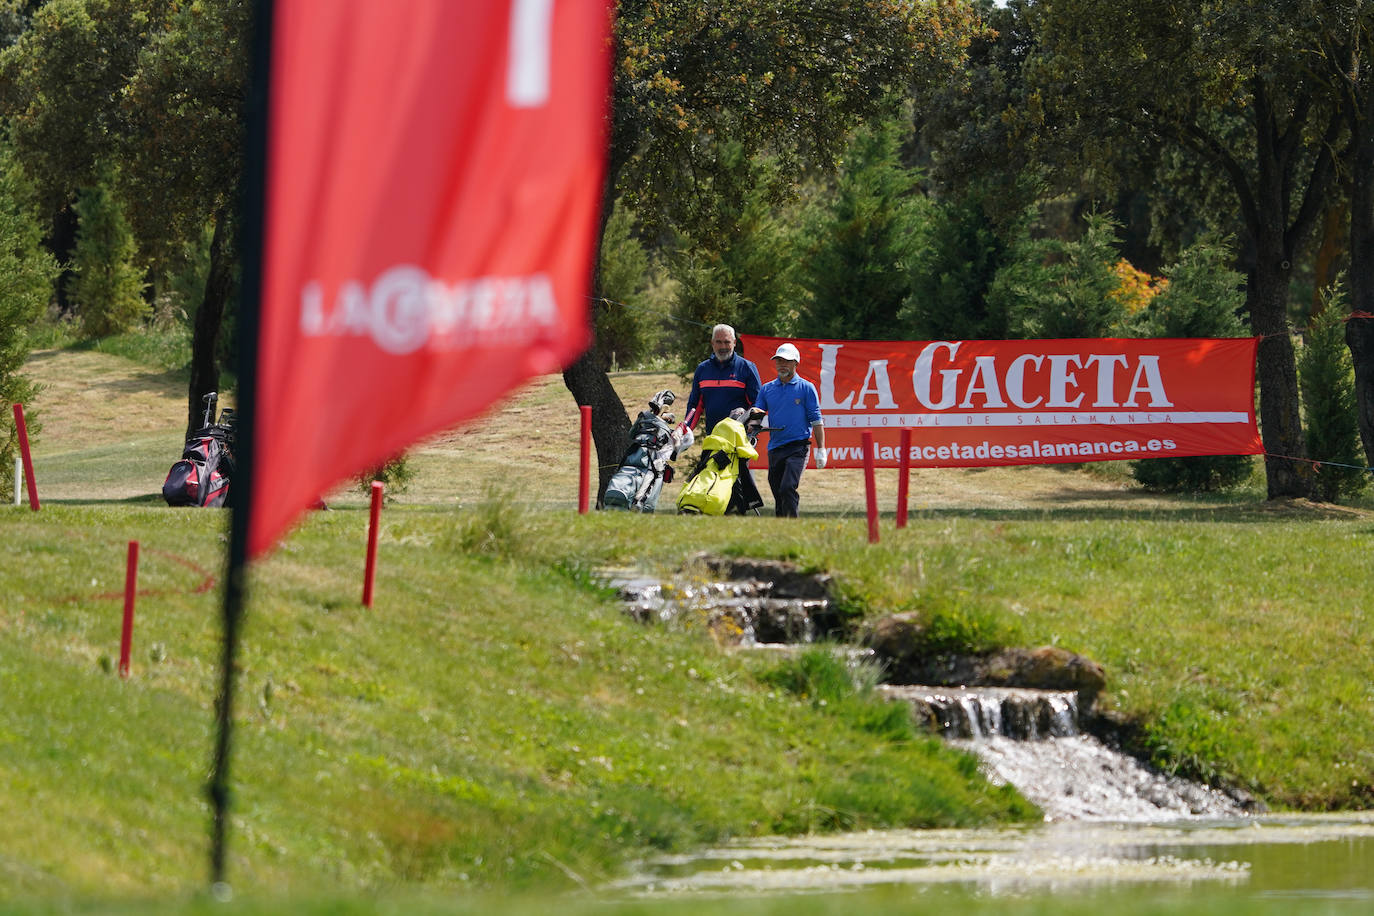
1031	739
747	613
1026	737
990	712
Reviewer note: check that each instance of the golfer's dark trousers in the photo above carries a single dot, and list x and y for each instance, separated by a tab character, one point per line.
785	465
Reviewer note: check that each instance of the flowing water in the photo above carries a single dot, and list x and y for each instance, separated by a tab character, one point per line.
1109	819
1031	739
1280	856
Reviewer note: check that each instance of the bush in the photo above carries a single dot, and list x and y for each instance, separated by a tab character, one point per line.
106	286
395	475
1202	297
622	326
952	275
1327	379
860	244
1056	289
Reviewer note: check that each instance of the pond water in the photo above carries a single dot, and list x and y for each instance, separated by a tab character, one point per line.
1299	856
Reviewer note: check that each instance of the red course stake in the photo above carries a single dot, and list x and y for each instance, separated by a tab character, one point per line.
23	431
371	569
903	472
870	488
584	488
126	636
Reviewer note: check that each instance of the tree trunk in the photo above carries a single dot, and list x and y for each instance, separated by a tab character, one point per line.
587	378
1359	330
209	317
1276	368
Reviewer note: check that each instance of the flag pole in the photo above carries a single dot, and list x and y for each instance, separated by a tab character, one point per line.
253	210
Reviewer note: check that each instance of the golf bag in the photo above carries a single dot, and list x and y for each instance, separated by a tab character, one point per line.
203	475
645	468
713	487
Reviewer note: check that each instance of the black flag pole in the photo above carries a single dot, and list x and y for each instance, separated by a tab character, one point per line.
253	210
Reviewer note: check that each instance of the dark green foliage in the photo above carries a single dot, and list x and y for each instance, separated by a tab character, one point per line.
1328	397
860	244
953	270
622	327
1055	289
26	276
106	286
1203	298
704	297
1199	474
738	269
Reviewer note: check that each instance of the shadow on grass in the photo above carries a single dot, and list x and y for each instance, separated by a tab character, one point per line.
143	499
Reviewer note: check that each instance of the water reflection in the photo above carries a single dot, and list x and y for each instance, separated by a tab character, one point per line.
1275	855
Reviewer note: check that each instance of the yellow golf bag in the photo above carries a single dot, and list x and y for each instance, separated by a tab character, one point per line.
712	481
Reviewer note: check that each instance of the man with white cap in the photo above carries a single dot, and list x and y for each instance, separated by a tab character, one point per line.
794	416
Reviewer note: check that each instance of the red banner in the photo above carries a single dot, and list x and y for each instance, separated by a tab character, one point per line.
434	171
978	403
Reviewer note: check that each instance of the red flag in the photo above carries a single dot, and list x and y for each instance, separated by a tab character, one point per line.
978	403
434	170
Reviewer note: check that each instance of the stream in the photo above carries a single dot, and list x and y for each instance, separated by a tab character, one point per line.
1110	820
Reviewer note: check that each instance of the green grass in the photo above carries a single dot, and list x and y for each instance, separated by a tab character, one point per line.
495	722
496	725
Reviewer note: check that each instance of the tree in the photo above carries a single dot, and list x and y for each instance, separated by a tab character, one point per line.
961	253
1230	85
106	285
1328	395
738	264
1343	54
624	266
785	77
1201	297
157	88
1054	288
26	276
861	243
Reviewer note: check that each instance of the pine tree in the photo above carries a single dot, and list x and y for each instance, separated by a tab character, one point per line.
860	244
1327	377
1202	297
1054	289
953	272
106	286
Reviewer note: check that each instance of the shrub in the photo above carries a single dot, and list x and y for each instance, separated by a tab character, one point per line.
1201	298
1054	289
1327	379
106	286
395	475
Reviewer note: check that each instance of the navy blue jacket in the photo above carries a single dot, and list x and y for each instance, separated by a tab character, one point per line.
718	388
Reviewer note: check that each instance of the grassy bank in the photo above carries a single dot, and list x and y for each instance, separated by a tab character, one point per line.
496	723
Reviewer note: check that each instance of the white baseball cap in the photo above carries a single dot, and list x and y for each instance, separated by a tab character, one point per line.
787	351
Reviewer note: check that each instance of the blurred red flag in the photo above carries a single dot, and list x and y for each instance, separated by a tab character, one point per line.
433	174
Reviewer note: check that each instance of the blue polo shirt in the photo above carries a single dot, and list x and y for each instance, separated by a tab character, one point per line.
793	406
721	387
